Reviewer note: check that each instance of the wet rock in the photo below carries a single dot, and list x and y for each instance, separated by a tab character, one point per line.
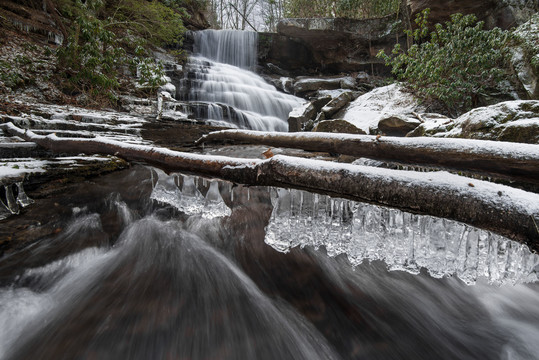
274	69
337	104
300	116
338	126
282	83
398	125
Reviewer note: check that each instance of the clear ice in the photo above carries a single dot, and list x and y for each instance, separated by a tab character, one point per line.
12	203
404	241
183	192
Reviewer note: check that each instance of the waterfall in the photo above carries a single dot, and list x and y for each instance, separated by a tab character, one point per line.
222	90
232	47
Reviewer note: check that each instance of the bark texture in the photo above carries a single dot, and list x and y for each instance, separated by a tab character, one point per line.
482	157
380	186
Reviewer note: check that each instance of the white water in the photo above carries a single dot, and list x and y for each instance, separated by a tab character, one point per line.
220	78
177	279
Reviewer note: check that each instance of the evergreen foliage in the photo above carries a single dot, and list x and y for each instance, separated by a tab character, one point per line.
109	36
458	63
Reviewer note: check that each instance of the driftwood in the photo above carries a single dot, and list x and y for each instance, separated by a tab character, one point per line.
490	158
501	209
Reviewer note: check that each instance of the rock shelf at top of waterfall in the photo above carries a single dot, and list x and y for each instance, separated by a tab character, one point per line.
222	90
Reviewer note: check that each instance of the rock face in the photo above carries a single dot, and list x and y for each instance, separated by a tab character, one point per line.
525	57
515	121
504	14
330	45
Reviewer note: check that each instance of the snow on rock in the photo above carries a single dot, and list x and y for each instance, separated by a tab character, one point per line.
513	121
304	85
367	110
525	58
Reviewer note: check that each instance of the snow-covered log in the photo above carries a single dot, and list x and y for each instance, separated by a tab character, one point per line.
501	209
512	161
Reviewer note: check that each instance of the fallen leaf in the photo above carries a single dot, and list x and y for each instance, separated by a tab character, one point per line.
471	185
268	153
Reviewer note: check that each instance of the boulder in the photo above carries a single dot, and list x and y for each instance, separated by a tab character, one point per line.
513	121
432	124
299	116
337	104
320	101
397	125
367	110
516	121
338	126
282	83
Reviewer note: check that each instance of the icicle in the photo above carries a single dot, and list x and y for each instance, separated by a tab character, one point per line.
22	198
214	205
4	211
278	229
12	204
404	241
191	200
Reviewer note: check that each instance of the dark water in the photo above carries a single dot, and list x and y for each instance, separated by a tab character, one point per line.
128	278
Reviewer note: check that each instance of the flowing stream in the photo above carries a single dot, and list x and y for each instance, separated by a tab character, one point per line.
156	266
145	265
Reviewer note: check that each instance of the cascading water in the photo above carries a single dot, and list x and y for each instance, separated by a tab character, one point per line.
222	88
154	266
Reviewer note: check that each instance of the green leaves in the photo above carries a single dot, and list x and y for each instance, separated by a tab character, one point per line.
109	37
455	63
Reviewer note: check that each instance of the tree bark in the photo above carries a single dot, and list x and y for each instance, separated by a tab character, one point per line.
490	158
510	212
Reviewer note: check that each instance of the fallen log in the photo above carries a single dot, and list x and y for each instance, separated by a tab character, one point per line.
517	162
511	212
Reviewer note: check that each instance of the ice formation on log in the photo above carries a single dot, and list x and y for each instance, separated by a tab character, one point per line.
361	231
402	240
